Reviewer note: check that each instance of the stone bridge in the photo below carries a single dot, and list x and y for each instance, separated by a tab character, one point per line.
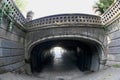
87	38
61	30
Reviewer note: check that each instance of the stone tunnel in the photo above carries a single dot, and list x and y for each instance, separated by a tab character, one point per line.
82	42
80	53
58	42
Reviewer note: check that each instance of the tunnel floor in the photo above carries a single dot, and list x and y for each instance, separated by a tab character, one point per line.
53	74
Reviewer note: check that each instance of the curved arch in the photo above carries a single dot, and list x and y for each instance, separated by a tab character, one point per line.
93	46
73	37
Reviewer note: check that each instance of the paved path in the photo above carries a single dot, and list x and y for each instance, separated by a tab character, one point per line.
111	73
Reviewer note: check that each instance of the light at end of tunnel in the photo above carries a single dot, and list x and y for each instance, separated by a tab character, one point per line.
57	52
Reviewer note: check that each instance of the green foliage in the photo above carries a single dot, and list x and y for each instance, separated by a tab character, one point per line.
9	11
117	66
102	5
2	12
2	7
5	13
10	26
21	4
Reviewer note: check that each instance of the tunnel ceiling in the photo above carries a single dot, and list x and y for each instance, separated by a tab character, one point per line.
66	43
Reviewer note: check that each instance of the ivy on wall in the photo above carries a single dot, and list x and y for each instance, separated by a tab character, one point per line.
4	12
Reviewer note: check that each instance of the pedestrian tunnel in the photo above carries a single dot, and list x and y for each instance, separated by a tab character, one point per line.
66	54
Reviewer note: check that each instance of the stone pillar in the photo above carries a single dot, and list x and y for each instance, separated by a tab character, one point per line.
30	16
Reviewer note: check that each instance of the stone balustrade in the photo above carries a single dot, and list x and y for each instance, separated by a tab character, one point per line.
107	17
65	19
15	14
112	13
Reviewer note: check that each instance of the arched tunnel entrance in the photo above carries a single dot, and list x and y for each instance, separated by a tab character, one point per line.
65	55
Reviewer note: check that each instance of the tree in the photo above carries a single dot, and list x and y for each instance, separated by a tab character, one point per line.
102	5
21	4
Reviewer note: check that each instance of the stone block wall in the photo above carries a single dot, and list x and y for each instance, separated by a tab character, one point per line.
11	47
113	35
111	20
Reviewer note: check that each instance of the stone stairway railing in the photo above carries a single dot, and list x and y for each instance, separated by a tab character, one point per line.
8	6
111	14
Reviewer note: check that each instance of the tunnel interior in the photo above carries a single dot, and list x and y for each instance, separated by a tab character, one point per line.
65	55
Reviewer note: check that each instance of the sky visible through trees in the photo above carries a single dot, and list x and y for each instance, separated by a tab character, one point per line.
43	8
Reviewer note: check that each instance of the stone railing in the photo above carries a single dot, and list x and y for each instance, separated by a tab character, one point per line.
65	19
15	13
112	13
